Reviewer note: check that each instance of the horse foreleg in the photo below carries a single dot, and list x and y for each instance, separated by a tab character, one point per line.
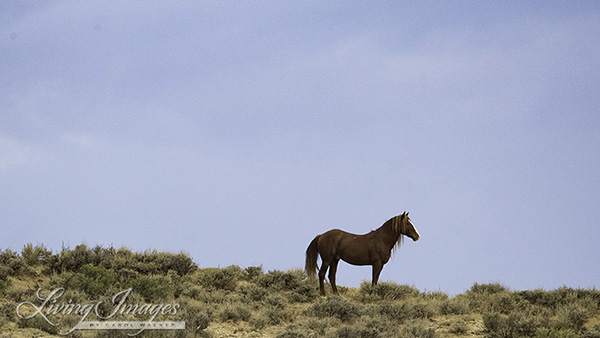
332	271
322	272
377	266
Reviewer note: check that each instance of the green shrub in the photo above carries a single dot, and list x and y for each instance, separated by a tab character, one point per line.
493	297
419	329
318	326
258	320
152	288
276	301
555	299
388	290
102	256
8	311
191	291
235	313
454	306
124	259
394	311
281	281
253	272
94	280
19	295
594	333
73	260
38	322
148	262
213	296
497	325
356	332
219	279
423	310
5	272
235	271
385	328
291	331
34	256
181	263
537	297
567	295
147	268
515	325
336	307
575	315
276	315
305	292
502	302
125	274
196	319
12	262
544	332
4	285
252	292
459	327
435	295
490	288
400	312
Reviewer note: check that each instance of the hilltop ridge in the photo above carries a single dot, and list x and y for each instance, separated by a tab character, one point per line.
249	302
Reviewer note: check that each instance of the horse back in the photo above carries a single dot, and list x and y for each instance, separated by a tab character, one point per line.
352	248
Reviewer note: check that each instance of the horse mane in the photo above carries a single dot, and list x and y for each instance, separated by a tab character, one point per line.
399	226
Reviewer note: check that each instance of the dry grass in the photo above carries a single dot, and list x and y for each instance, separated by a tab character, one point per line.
248	302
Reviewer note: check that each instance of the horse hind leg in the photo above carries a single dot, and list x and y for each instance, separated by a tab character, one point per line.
332	271
322	272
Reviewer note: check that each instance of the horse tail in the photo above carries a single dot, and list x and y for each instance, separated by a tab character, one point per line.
311	259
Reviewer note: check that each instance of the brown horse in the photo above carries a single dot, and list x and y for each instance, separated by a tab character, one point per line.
373	249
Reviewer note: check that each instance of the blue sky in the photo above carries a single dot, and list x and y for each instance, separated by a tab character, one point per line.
237	131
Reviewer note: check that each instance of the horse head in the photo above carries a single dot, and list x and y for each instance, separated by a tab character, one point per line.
408	228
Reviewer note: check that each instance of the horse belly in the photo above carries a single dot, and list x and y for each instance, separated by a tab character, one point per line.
354	252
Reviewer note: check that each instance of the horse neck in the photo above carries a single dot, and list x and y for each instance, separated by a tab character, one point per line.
387	233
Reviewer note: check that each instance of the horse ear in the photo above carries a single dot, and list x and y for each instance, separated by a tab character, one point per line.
407	213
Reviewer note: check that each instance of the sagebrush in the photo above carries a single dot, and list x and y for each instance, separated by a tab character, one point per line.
235	301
